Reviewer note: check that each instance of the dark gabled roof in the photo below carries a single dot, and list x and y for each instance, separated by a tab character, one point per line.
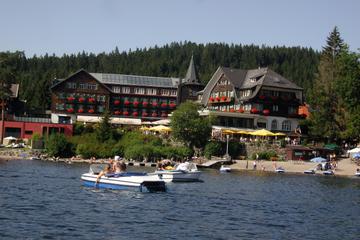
121	79
77	72
191	77
248	79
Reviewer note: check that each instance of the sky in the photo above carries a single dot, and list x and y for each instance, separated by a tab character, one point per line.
72	26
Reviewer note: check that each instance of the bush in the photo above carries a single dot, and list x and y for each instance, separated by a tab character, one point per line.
266	155
58	146
212	149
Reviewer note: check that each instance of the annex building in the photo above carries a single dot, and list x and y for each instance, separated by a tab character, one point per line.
251	99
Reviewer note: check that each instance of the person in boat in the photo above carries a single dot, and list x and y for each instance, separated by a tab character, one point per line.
107	170
183	166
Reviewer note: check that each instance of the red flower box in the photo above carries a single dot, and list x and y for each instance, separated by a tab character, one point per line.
91	111
127	102
154	104
262	97
211	99
172	105
145	104
70	99
274	97
163	115
81	99
241	110
80	110
117	102
223	98
135	103
254	110
126	113
91	100
154	115
117	112
217	98
164	105
232	110
70	110
266	112
135	114
145	114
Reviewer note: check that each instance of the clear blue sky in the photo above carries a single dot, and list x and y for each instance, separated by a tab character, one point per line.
71	26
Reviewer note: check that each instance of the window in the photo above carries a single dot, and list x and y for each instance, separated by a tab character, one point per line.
100	109
165	92
292	110
91	86
245	93
125	89
71	85
275	108
139	90
59	106
151	91
61	95
274	124
28	132
116	89
173	92
247	107
286	125
101	98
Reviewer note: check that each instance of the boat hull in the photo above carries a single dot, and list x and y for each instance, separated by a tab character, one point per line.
128	182
178	175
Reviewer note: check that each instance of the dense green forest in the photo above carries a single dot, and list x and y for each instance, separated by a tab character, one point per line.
35	74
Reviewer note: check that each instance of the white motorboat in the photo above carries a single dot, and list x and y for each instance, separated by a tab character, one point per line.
310	171
279	170
123	181
224	168
328	172
183	172
357	174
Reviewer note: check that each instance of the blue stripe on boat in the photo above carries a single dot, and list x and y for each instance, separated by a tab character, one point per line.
108	186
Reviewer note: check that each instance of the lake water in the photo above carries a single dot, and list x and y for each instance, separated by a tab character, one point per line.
43	200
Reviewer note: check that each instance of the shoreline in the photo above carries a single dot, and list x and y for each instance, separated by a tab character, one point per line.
345	167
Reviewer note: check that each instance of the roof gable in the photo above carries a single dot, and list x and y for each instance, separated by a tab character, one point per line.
81	71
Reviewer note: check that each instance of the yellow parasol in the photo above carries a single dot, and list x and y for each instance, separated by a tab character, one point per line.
262	132
144	128
280	134
160	128
227	131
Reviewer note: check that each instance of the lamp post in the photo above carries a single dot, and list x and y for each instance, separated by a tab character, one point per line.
227	147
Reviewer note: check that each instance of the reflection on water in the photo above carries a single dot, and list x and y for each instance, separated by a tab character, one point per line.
46	200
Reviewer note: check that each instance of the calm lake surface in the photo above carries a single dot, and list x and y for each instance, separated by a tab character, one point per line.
42	200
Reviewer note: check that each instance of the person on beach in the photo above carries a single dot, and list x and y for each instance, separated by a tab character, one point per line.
254	165
107	170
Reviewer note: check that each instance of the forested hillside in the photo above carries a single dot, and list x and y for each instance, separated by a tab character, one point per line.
35	74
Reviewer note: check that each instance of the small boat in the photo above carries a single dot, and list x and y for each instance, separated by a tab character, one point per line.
123	181
310	171
224	168
280	170
357	174
328	172
183	172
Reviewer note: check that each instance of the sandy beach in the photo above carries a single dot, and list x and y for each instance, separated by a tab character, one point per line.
345	166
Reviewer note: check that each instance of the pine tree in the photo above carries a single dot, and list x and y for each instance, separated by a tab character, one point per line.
324	98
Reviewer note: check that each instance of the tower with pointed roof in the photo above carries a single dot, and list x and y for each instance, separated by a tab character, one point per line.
190	85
